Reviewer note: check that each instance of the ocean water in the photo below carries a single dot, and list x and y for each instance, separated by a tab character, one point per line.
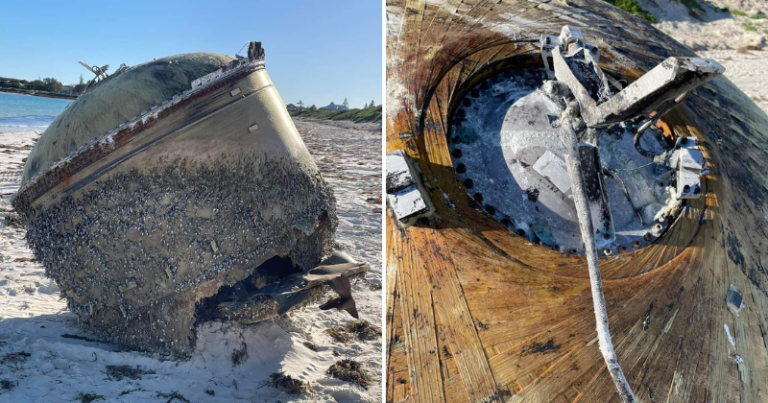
25	112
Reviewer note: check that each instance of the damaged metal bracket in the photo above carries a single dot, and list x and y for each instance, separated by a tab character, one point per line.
651	96
575	65
405	195
298	289
688	160
99	72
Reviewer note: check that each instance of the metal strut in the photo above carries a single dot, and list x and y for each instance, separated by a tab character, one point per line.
581	201
654	94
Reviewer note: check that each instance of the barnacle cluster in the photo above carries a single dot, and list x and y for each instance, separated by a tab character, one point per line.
134	251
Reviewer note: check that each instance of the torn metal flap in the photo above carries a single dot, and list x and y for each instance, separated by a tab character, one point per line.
405	196
734	300
293	290
399	174
668	80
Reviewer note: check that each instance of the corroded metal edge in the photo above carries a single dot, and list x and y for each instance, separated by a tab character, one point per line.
124	133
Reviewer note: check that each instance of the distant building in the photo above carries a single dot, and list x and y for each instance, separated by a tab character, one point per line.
292	108
334	107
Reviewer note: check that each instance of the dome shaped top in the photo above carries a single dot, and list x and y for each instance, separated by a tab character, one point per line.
116	100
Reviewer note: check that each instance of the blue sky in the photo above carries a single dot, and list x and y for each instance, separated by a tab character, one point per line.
317	52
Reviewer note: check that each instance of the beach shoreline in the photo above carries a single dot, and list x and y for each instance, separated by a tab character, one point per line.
54	96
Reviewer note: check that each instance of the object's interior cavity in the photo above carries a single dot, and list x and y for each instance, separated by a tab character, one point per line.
273	269
506	148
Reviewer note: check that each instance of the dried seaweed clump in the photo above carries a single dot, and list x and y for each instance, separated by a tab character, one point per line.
288	384
338	334
6	384
361	329
350	371
13	220
118	372
88	397
173	396
15	358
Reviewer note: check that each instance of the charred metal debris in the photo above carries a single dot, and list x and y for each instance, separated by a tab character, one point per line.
507	151
143	255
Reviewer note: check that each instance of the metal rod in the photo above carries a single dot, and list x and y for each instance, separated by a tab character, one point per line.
573	164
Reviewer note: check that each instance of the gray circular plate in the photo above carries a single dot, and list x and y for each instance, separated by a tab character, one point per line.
506	148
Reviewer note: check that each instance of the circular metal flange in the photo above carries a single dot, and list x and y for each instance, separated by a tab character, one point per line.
506	147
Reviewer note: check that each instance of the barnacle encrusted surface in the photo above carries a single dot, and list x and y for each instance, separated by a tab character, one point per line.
135	250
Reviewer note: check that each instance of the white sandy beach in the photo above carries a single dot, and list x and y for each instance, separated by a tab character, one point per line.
45	356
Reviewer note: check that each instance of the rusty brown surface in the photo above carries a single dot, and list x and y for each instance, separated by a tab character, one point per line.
531	306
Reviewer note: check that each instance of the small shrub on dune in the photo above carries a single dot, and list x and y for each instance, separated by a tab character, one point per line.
634	8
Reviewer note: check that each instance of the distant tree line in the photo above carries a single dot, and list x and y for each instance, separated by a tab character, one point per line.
48	84
313	108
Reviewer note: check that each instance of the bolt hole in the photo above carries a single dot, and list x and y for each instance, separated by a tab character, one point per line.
457	153
636	244
607	252
607	236
622	248
469	183
648	236
456	140
461	114
466	102
490	209
505	222
686	189
461	168
474	93
572	251
478	197
521	232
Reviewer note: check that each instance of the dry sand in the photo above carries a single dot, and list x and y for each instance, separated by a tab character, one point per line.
724	36
46	357
748	70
